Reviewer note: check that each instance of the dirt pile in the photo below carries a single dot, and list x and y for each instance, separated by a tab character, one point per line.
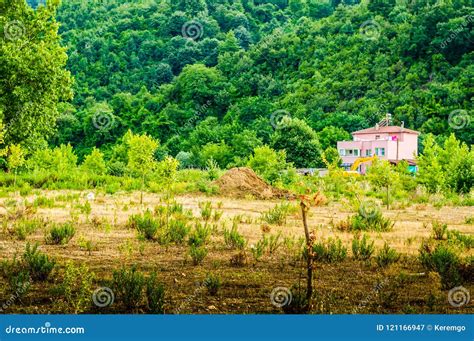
241	182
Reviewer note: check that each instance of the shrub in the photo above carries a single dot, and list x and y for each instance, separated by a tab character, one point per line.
155	295
146	225
233	239
370	218
212	283
439	230
199	236
76	287
23	228
362	249
442	259
197	253
386	256
206	210
258	249
298	303
331	251
60	234
457	238
177	231
37	263
274	242
276	215
128	285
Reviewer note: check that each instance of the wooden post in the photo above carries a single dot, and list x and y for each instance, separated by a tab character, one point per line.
309	260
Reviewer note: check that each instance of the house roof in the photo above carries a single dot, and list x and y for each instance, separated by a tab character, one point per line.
389	129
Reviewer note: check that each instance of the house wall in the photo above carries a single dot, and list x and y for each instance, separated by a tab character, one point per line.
408	149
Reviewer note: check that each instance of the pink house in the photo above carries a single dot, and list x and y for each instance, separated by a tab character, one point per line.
390	143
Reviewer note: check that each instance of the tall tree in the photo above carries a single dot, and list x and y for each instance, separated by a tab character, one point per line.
33	76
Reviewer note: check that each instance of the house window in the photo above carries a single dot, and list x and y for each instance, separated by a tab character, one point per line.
368	152
380	151
377	137
342	152
356	152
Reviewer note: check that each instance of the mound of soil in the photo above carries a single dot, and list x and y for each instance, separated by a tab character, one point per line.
241	182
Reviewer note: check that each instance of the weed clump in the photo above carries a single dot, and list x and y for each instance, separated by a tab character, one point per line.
362	248
60	234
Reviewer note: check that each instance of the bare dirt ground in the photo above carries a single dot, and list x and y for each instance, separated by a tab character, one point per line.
346	287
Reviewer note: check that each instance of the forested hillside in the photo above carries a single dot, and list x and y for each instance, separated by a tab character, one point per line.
212	79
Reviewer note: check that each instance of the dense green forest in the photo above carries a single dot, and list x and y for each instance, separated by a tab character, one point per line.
215	79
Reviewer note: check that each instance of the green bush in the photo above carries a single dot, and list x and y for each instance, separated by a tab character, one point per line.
233	239
128	285
76	288
331	251
386	256
197	253
146	225
276	215
60	234
23	228
362	248
370	219
442	259
155	295
199	235
206	210
259	248
212	283
177	231
463	240
439	230
37	263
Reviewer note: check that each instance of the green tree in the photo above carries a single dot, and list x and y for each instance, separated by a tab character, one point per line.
94	163
34	78
381	174
430	171
299	141
16	159
141	160
269	164
330	135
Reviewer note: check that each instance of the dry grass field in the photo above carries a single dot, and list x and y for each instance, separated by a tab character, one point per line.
348	286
